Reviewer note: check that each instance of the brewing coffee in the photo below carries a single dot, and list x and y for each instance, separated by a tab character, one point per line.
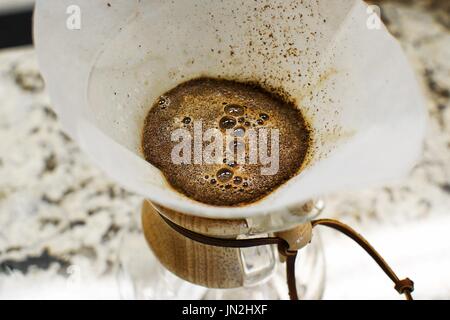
265	140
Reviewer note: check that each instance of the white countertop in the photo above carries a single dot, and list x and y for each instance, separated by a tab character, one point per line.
8	6
61	219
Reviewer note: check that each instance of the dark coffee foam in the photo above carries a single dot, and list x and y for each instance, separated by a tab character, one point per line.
224	105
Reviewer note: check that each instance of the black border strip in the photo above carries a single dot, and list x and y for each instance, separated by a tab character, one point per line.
16	29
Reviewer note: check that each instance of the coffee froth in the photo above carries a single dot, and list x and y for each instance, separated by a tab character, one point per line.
246	115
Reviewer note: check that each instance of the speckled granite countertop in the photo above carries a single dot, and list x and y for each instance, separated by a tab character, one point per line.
61	218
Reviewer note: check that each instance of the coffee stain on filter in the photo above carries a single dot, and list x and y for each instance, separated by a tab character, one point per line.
277	51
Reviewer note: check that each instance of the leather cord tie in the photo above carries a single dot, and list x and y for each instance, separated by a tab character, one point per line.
405	286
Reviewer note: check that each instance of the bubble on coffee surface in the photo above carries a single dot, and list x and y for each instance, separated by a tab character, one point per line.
163	102
237	180
239	132
231	163
236	146
224	175
234	110
227	122
187	120
230	107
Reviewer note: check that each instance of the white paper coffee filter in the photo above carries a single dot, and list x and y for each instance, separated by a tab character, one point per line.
353	84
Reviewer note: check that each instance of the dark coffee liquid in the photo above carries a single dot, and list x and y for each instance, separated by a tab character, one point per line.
225	105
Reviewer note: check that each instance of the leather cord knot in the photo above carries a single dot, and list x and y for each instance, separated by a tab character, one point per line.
404	286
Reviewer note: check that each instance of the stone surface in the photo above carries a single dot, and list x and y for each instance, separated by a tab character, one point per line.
58	212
